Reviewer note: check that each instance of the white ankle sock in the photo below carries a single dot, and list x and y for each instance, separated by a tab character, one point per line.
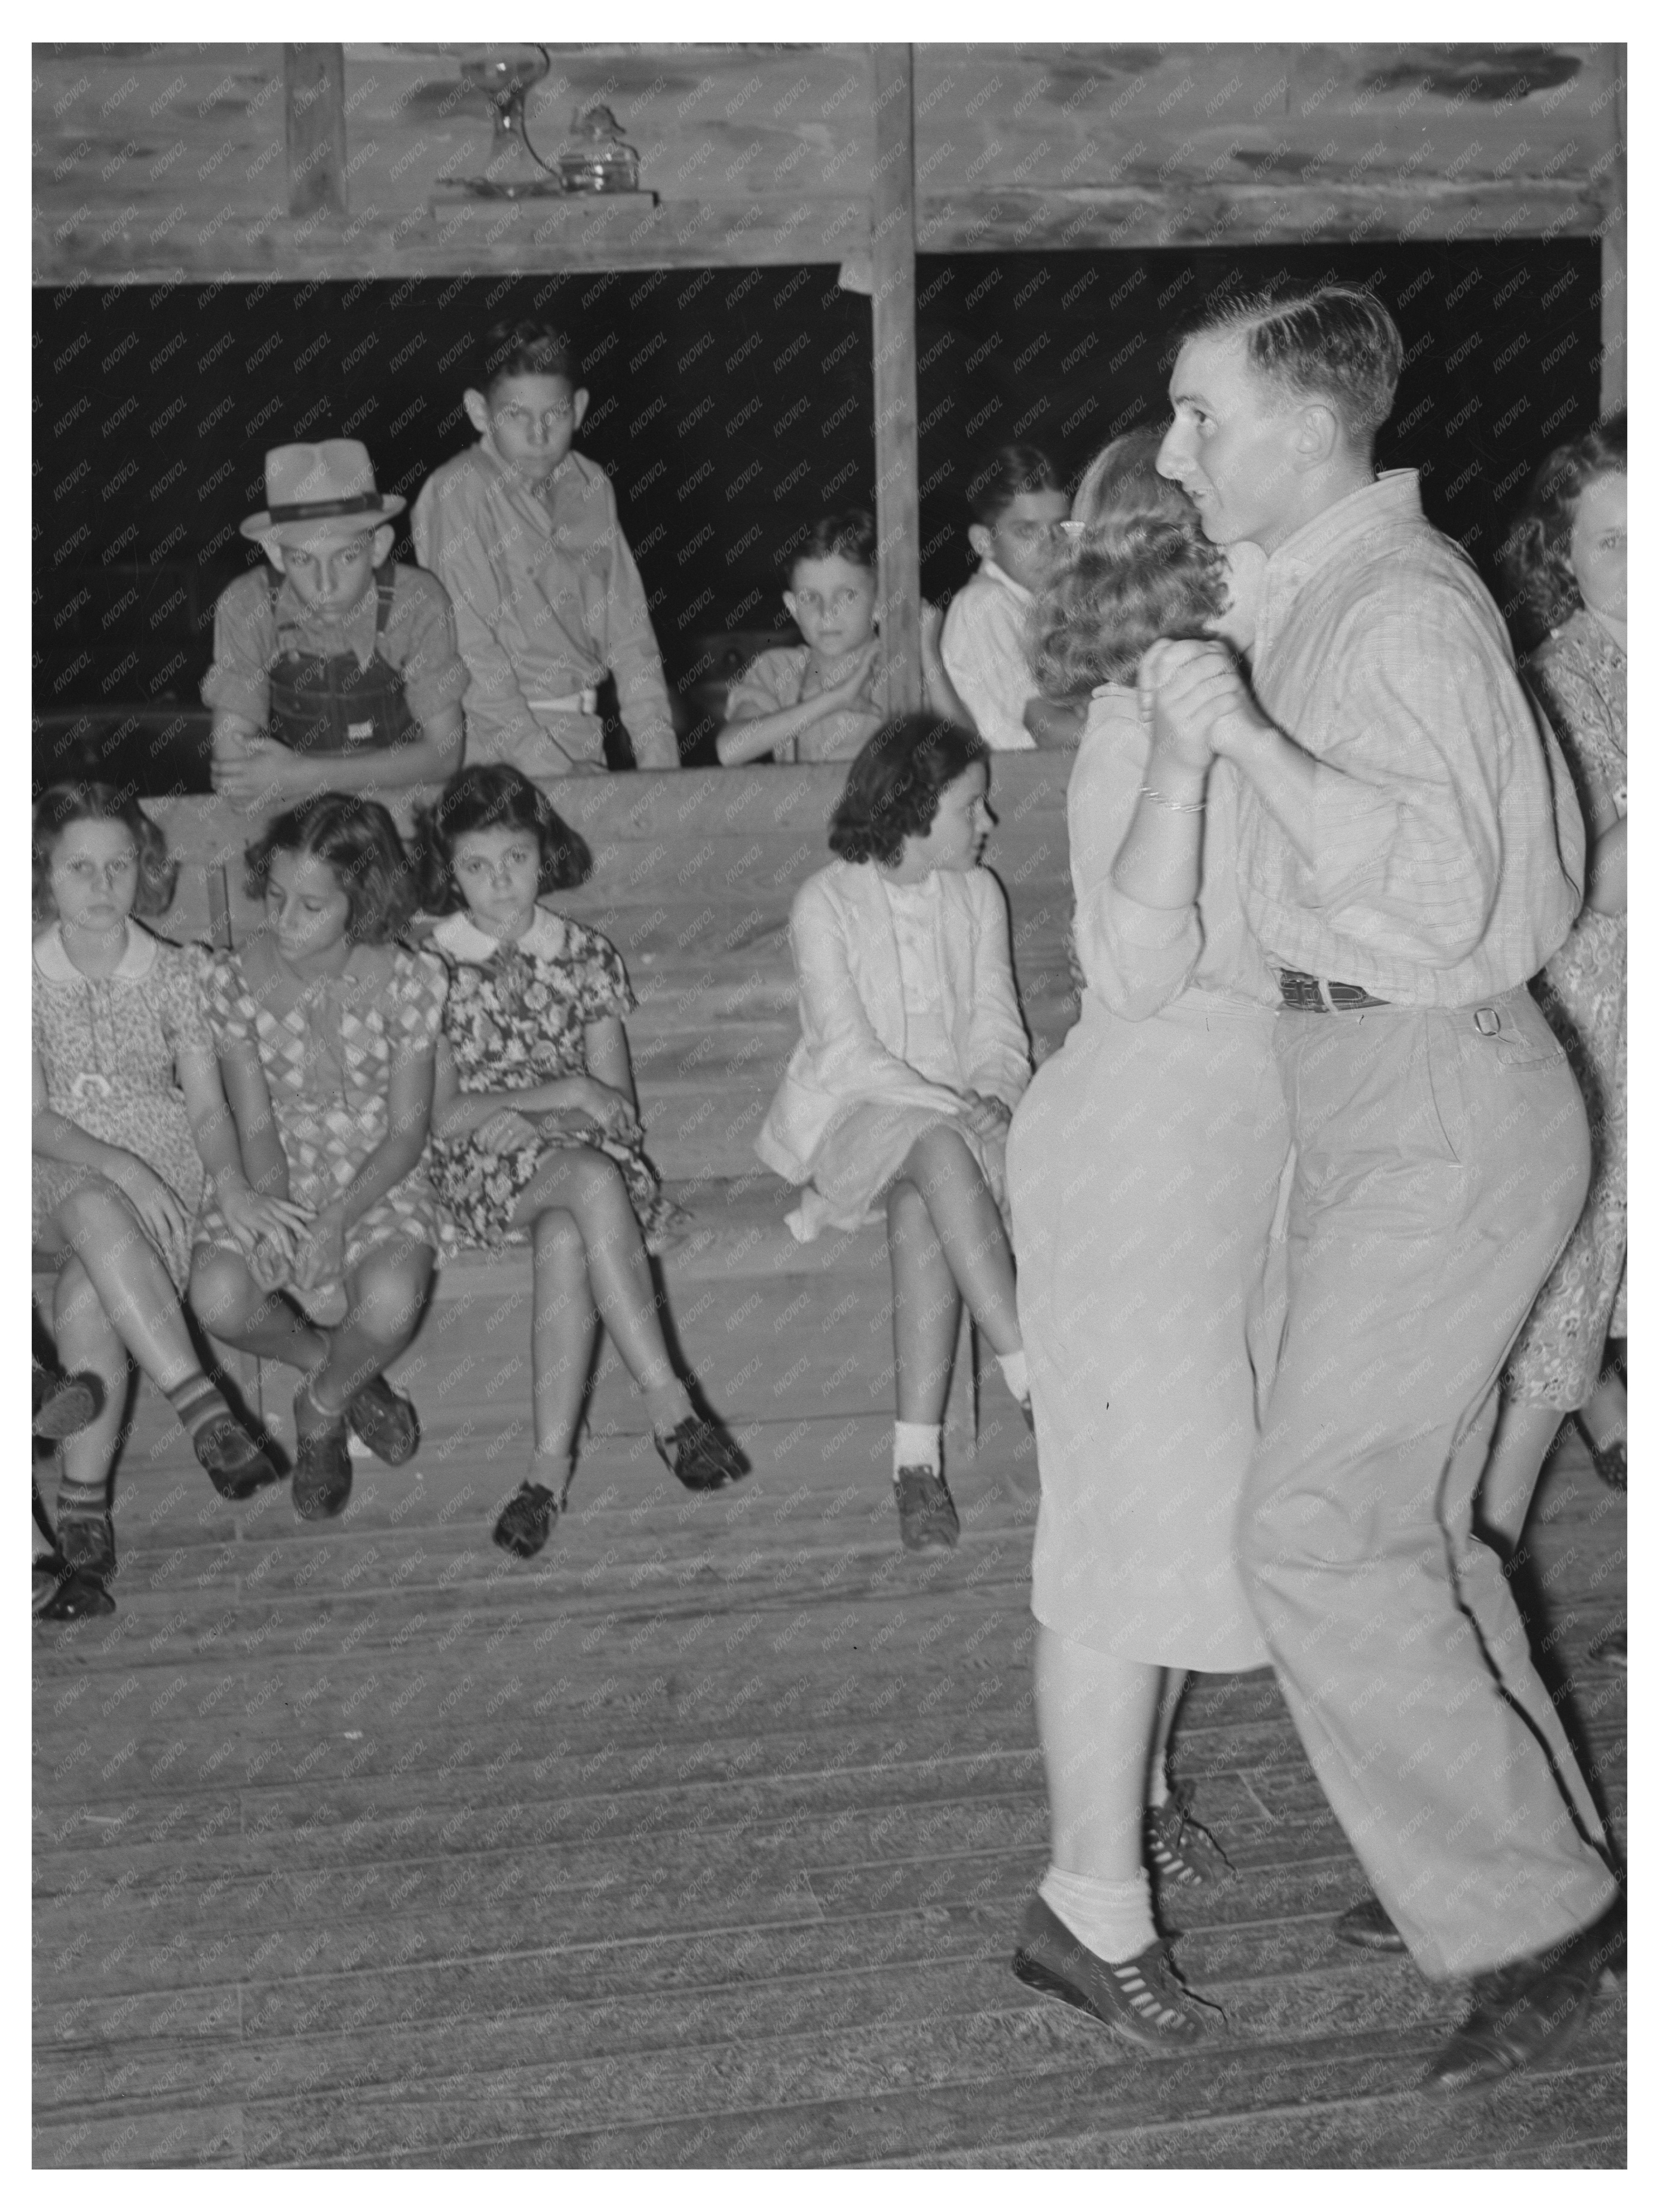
1157	1786
1114	1918
1012	1364
916	1443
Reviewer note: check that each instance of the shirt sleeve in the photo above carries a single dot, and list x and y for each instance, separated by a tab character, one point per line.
636	665
244	644
416	1004
983	648
230	1013
434	675
998	1055
450	530
1409	850
608	991
770	683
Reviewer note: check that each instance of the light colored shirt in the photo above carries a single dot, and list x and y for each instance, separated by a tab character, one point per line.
418	641
987	656
1449	856
547	598
782	676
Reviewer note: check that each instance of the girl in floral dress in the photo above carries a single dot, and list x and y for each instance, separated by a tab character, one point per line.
537	1135
327	1037
127	1107
1568	556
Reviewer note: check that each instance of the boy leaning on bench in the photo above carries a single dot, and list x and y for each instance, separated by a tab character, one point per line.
334	668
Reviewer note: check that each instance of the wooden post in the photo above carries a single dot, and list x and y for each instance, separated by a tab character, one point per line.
1615	256
315	80
893	269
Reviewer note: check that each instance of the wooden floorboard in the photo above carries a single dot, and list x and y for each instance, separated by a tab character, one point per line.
699	1841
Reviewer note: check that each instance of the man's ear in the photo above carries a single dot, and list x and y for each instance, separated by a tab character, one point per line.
789	602
271	546
477	410
380	552
1318	434
979	538
578	409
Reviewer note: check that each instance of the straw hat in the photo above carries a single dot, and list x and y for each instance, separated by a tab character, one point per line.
322	493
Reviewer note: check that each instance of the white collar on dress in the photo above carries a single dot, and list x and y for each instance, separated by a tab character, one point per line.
55	964
461	936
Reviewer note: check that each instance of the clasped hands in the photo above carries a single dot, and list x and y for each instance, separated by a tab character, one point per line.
589	1106
1198	703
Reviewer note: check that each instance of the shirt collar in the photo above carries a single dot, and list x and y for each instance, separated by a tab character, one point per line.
460	935
294	614
1392	498
56	967
988	567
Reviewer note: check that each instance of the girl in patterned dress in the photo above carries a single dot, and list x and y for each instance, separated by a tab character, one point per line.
327	1039
536	1130
1568	556
127	1108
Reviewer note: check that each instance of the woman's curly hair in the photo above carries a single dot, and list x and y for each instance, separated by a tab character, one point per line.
61	805
358	840
894	785
1538	554
1140	569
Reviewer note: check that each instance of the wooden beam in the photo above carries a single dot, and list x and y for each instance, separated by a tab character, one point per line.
315	79
893	266
1615	260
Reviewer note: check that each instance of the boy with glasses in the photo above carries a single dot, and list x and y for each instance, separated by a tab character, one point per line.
523	534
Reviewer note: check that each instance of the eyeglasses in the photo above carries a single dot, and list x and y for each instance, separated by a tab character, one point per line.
515	418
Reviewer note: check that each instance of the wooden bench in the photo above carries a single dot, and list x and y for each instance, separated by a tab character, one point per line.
693	877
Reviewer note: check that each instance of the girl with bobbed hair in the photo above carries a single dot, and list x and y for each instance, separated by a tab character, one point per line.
912	1055
1144	1166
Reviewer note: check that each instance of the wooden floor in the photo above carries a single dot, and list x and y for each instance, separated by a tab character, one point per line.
699	1843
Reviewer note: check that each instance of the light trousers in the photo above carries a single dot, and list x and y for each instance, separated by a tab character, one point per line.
1442	1159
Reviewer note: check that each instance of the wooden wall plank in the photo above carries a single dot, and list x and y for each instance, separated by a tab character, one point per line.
893	267
165	161
315	87
1615	259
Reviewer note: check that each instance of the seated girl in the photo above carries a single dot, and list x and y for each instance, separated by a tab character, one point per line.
538	1136
127	1107
911	1059
816	701
327	1039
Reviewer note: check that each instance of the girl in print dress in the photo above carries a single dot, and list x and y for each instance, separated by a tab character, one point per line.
327	1038
1568	556
536	1132
896	1101
127	1108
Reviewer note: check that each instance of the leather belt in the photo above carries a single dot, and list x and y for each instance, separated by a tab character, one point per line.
1312	994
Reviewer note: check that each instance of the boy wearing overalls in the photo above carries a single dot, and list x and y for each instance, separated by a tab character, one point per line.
334	669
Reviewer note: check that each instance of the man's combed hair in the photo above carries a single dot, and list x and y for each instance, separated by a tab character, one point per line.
894	785
1338	344
523	348
359	840
1140	569
1008	474
494	798
850	538
63	804
1538	556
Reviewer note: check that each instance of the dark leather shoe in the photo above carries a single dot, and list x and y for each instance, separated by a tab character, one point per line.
1366	1927
387	1423
526	1520
1519	2012
84	1563
927	1514
322	1464
64	1404
1142	2000
1181	1851
700	1454
236	1466
78	1596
